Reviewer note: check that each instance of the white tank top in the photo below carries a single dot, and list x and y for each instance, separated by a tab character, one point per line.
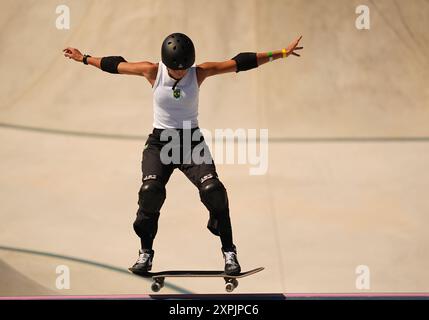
172	108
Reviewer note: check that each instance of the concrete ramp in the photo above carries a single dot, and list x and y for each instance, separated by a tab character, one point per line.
14	283
346	182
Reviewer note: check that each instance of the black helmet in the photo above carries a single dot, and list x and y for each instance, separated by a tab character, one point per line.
178	52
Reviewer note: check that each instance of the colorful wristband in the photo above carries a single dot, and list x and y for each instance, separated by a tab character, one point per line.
284	51
270	56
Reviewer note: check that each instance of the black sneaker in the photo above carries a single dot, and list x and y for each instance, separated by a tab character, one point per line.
144	262
232	267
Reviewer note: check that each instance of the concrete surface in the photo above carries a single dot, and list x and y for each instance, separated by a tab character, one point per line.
349	146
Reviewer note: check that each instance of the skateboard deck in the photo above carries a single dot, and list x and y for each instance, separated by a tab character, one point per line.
231	281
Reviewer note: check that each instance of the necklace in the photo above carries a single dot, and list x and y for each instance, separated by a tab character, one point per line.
176	92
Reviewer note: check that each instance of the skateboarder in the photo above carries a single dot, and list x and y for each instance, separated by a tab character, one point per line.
175	81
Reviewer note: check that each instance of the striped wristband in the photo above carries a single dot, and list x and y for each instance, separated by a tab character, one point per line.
284	51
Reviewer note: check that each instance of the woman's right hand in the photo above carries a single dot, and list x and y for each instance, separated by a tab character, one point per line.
73	53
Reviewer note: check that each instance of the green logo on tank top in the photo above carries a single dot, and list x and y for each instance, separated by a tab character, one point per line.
176	93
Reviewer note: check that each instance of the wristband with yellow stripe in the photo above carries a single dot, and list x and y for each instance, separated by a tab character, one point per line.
284	51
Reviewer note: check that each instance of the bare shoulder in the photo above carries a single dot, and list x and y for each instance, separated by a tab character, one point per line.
142	68
203	69
152	73
201	74
153	68
208	69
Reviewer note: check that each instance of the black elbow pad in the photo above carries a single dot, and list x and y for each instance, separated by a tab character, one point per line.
246	61
110	64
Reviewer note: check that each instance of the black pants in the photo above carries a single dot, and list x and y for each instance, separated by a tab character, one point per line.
156	173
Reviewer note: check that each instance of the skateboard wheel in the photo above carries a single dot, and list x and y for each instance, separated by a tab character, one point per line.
235	283
229	287
156	286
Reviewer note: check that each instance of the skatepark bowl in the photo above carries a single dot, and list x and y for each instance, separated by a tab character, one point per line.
342	207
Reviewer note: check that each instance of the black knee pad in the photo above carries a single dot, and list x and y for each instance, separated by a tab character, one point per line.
213	195
151	196
146	224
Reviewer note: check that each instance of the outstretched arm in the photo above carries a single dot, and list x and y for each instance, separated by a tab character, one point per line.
246	61
115	64
283	53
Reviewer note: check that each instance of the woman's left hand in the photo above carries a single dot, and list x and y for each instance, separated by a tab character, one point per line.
293	46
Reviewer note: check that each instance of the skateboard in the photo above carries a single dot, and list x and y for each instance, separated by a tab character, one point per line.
158	278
